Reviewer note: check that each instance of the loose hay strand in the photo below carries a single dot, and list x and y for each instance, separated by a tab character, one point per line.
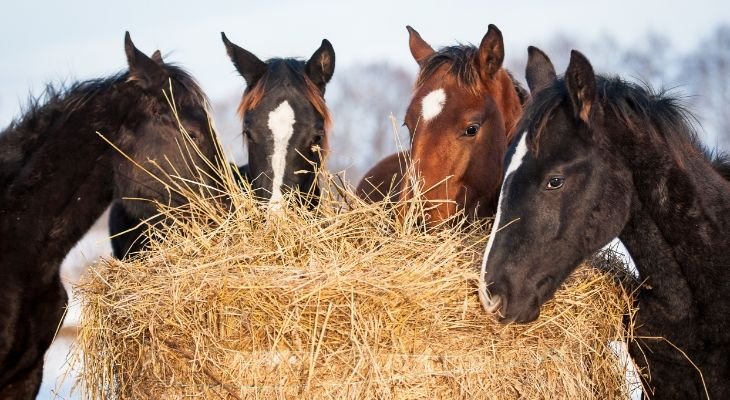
234	301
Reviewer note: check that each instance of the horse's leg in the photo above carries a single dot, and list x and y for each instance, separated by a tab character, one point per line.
243	175
121	221
26	386
671	375
40	315
10	305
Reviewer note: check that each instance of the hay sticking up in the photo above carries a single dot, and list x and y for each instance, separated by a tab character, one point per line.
341	302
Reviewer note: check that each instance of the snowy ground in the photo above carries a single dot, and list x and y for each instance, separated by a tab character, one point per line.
620	349
57	382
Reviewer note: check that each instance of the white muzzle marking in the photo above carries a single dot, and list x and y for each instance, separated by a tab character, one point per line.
490	303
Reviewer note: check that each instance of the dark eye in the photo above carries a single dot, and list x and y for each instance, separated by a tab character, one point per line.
318	139
471	130
556	182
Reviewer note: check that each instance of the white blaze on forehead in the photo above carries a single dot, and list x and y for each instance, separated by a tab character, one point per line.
432	104
281	124
517	158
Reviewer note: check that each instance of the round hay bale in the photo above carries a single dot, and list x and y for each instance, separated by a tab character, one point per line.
338	302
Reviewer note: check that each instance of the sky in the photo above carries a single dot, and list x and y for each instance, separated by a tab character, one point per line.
61	41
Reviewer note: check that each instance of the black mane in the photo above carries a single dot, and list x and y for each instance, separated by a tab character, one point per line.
293	66
661	114
720	162
522	93
25	133
60	98
57	100
191	93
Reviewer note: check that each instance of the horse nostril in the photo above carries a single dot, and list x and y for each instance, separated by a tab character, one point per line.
491	304
495	305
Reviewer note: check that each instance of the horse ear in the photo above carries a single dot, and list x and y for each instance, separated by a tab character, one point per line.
540	71
491	53
247	64
157	57
581	82
143	70
419	48
321	66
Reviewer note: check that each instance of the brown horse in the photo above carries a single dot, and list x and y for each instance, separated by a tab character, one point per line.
460	118
384	178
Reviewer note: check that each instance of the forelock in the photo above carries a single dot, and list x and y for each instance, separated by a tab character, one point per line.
294	69
460	61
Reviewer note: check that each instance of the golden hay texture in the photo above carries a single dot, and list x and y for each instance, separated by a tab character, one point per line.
341	302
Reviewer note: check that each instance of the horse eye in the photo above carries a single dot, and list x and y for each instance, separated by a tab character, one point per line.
556	182
471	130
318	138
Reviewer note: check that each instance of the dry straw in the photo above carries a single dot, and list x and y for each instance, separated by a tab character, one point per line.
338	302
343	301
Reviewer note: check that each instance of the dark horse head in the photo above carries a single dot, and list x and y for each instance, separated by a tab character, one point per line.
590	152
168	135
598	157
160	154
57	175
285	119
463	109
563	197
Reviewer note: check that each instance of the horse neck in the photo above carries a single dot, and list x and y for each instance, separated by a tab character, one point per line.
669	293
60	188
507	101
677	232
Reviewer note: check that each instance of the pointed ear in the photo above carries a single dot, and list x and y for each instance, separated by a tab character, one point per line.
540	71
419	48
157	57
247	64
491	53
581	82
143	70
321	66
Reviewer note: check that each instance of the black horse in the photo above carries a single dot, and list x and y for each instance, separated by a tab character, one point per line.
285	125
285	120
597	158
57	175
128	230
